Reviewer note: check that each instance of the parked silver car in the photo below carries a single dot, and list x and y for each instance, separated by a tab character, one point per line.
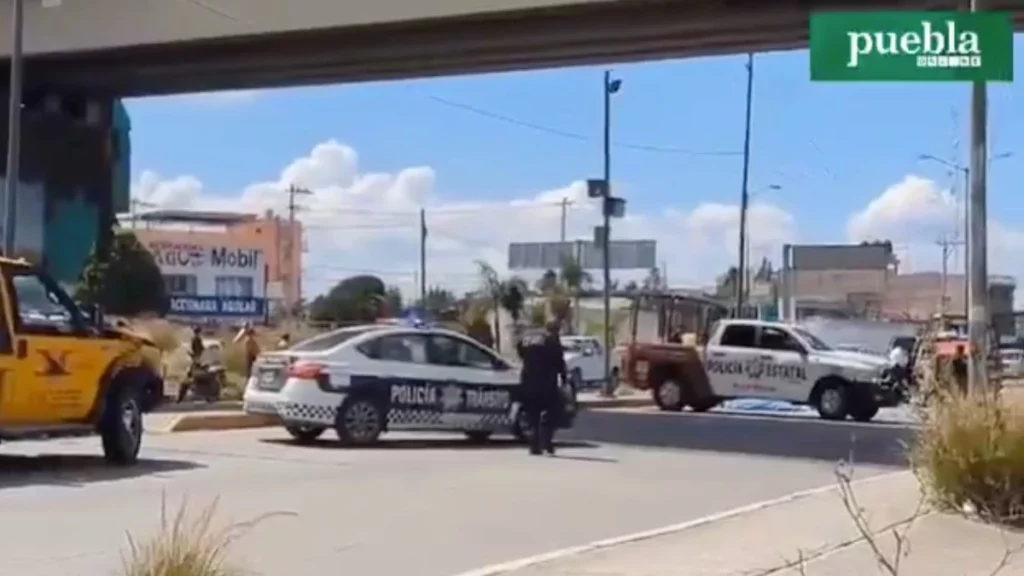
1012	360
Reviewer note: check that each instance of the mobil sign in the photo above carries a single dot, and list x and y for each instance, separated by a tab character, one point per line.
193	258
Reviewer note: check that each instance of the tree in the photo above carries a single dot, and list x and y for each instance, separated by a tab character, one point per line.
653	281
491	290
513	297
573	280
438	300
547	281
127	282
392	301
354	299
728	282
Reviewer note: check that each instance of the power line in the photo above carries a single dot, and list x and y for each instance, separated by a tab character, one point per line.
573	135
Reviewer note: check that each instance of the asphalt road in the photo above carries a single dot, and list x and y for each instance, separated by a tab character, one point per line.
430	506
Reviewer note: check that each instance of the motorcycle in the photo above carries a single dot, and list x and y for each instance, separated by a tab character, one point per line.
203	382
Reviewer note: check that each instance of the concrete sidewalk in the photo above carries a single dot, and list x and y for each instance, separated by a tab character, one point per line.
816	528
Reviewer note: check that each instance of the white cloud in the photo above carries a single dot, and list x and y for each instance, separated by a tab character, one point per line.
917	213
219	98
364	221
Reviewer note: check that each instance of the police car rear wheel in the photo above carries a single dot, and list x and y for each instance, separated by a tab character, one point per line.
305	434
668	395
360	421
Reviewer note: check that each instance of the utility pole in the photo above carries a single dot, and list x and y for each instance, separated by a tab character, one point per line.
133	205
289	257
745	193
610	87
978	311
13	126
948	247
423	256
565	209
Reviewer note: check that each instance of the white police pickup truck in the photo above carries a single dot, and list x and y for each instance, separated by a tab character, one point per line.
363	381
777	361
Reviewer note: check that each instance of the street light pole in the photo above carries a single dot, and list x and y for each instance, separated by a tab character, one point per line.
744	194
610	87
13	175
969	174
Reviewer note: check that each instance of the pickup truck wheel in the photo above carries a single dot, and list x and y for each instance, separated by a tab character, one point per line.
669	396
705	404
833	401
305	434
121	426
863	408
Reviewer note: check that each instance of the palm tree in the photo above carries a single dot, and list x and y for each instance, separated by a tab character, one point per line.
573	280
513	297
547	282
491	291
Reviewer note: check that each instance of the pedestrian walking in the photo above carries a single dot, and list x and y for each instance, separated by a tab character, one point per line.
247	336
543	370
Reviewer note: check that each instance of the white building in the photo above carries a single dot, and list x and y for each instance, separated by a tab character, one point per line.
212	282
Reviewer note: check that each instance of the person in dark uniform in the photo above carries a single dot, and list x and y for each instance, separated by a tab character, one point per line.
195	350
959	365
543	365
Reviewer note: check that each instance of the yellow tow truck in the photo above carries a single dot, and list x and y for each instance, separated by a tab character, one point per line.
64	372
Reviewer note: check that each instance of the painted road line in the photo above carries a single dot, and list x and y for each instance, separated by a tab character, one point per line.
512	566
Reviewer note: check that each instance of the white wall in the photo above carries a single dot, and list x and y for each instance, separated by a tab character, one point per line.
207	263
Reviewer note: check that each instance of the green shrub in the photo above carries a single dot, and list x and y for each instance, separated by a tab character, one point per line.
187	545
969	454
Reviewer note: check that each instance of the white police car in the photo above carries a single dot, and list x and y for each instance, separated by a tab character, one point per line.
366	380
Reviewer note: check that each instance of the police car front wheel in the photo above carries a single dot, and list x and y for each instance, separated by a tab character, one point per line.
359	421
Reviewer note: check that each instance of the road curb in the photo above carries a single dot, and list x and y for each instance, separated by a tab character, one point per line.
171	407
520	564
216	422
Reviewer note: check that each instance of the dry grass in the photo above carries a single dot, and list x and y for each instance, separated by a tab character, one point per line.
170	337
188	545
969	454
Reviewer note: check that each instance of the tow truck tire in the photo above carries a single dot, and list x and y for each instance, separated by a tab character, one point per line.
670	395
832	399
360	421
305	434
120	426
478	436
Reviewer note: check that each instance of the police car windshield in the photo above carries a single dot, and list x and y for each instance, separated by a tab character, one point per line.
812	340
332	339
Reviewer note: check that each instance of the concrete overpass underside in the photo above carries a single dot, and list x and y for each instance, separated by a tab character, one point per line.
597	31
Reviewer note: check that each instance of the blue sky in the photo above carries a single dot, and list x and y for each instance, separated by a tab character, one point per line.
831	147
